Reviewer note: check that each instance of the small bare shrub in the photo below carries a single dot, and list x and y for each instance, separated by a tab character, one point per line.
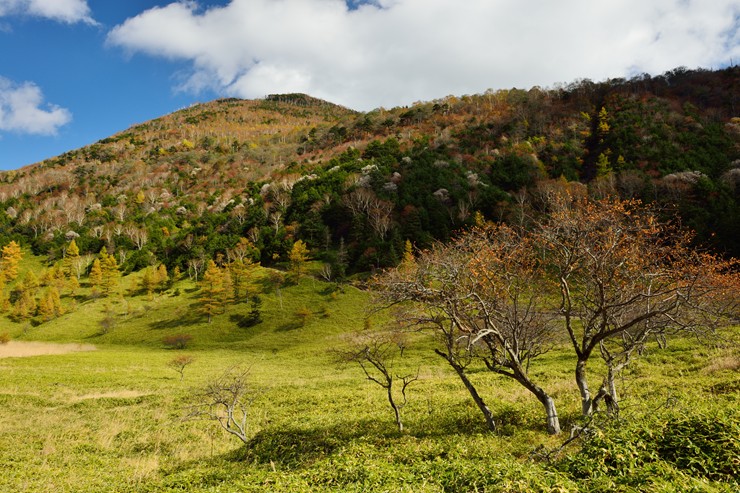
4	338
375	353
225	399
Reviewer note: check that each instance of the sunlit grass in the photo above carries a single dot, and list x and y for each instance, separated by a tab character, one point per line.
110	420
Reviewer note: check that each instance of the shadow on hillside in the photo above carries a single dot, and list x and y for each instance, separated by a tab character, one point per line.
190	317
245	321
296	447
289	326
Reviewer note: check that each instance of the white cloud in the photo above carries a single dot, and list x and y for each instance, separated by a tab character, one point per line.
391	52
22	110
68	11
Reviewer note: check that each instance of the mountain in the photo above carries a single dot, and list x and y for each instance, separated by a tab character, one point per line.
355	186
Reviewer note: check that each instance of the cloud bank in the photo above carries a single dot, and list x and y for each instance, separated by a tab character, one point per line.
67	11
22	110
391	52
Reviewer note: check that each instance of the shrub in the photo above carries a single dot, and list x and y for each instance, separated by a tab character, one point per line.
4	338
177	341
687	444
303	315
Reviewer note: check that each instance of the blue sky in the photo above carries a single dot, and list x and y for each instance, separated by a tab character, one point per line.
75	71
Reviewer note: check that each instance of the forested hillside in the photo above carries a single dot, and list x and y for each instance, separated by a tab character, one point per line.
185	188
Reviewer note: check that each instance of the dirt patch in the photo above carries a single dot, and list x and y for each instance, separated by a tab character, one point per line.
23	349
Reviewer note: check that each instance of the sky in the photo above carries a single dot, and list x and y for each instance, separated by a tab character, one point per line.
73	72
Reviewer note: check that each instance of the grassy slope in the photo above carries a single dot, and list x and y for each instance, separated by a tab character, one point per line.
109	420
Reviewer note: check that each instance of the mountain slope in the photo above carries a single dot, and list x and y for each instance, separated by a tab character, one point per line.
356	186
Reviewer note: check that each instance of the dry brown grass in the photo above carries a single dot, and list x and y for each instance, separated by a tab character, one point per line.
118	394
22	349
723	363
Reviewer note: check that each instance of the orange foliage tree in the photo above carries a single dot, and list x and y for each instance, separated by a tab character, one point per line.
608	275
623	276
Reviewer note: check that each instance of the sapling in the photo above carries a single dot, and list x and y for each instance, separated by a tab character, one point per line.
179	363
376	353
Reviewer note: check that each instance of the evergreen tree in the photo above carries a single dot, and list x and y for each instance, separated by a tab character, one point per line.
163	278
148	281
603	167
241	272
25	306
25	294
73	285
4	300
50	305
408	253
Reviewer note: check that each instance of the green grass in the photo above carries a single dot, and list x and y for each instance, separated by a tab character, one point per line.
111	420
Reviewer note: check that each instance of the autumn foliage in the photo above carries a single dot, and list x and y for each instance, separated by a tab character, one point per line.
609	276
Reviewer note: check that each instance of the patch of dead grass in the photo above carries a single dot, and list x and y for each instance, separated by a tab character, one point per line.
25	349
117	394
724	363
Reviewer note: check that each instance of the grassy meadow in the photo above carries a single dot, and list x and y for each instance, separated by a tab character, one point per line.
111	420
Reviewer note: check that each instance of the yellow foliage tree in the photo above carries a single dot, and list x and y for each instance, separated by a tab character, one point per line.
214	293
9	260
96	276
111	274
298	257
148	281
72	259
50	304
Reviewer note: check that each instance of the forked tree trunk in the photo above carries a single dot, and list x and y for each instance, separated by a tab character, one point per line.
487	414
608	392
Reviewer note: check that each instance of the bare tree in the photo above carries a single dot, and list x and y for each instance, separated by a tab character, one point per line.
481	294
195	267
226	399
432	286
375	353
379	215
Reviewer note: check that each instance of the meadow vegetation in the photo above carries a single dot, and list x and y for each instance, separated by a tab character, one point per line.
113	419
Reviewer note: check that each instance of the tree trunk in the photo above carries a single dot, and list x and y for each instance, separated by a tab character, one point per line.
553	422
608	392
396	410
487	414
551	413
612	404
586	401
